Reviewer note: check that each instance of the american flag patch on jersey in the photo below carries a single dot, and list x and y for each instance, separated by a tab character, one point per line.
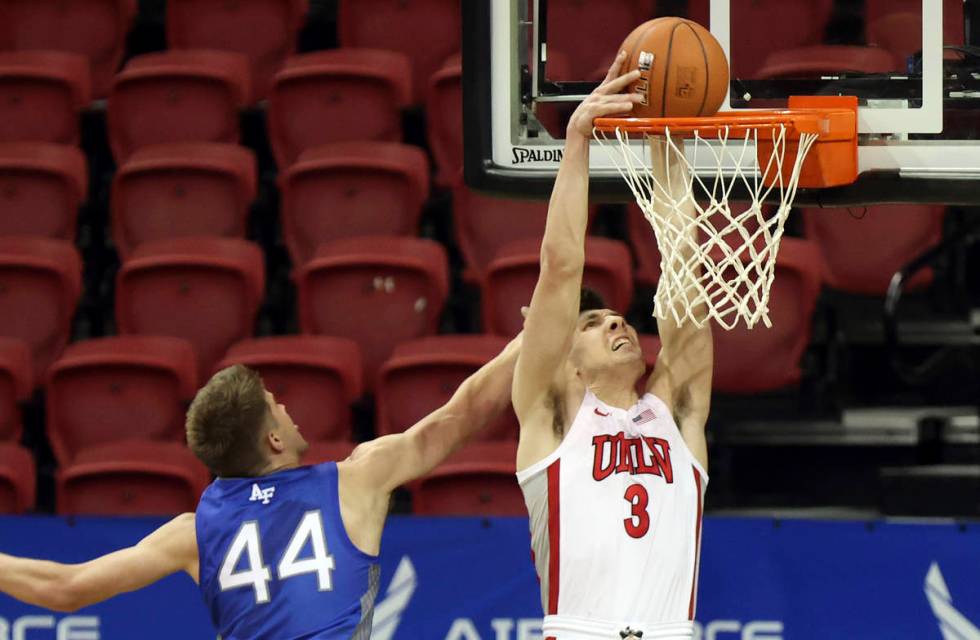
644	416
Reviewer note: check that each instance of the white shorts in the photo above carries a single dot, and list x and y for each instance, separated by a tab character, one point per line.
571	628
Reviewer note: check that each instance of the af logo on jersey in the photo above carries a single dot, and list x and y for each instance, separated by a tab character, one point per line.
262	495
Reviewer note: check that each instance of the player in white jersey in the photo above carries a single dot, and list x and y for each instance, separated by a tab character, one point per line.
614	481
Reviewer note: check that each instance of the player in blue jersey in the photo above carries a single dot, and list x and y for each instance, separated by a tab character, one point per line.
279	550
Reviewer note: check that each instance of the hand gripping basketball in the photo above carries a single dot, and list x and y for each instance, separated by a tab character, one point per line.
606	100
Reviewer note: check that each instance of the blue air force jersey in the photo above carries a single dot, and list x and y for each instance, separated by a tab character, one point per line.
276	562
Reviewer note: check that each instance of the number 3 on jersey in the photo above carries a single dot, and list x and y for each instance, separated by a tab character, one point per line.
257	574
638	523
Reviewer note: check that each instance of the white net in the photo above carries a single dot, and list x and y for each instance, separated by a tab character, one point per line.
716	264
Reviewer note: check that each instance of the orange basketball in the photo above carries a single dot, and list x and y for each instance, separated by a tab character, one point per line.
683	69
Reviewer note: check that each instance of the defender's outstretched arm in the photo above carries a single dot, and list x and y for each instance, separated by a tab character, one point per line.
390	461
69	587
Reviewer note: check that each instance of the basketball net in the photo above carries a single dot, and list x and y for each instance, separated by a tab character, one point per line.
715	265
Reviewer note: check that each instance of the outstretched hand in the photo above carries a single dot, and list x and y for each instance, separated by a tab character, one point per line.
606	100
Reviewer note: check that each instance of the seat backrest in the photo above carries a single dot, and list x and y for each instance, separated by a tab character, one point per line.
182	189
334	96
422	375
379	291
800	23
352	189
206	290
264	30
427	31
177	96
444	117
589	32
95	29
513	273
820	60
855	258
41	280
41	187
479	479
765	359
116	389
41	95
896	25
317	378
17	479
484	224
16	384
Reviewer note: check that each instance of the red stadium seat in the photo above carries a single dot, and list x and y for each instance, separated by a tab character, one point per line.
317	378
113	389
328	452
427	31
182	189
352	189
17	479
761	359
821	60
41	95
40	284
264	30
336	96
896	25
380	291
132	478
206	290
801	23
589	32
514	272
479	480
95	29
422	375
42	185
444	117
484	224
855	258
644	245
177	96
16	384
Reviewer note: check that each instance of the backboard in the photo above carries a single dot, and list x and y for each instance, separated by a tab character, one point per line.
527	63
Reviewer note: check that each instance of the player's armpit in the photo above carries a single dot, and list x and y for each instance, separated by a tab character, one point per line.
682	379
64	587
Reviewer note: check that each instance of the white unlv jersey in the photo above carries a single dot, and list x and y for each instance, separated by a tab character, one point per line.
616	524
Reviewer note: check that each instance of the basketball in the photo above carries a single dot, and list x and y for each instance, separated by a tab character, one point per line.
683	69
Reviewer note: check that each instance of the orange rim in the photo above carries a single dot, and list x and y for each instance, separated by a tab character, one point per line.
832	161
801	121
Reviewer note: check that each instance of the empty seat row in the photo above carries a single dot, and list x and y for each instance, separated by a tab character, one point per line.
195	96
115	406
263	32
145	478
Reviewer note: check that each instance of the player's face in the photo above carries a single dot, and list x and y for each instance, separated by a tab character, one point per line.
287	430
604	339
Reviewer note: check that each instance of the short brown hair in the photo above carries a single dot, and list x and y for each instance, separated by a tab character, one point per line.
226	421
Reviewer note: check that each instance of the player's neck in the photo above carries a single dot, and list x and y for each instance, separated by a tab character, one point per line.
282	464
614	390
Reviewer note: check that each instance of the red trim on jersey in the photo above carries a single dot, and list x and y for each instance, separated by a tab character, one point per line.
553	536
697	547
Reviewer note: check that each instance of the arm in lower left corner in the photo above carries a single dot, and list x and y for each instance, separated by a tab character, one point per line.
69	587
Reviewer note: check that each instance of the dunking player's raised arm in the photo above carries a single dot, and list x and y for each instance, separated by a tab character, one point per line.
682	374
68	587
551	320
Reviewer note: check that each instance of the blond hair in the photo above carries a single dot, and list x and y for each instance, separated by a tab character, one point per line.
226	421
